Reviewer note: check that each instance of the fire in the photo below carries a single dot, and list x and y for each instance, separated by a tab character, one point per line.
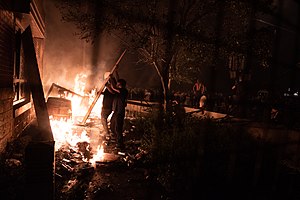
99	156
67	132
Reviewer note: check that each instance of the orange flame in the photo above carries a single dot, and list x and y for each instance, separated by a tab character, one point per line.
65	131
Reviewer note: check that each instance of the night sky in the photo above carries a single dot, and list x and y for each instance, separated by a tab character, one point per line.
66	55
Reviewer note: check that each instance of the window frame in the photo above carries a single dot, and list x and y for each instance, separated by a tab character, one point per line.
20	84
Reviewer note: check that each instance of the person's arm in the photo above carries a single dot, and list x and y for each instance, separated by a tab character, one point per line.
194	88
109	88
109	83
115	89
203	88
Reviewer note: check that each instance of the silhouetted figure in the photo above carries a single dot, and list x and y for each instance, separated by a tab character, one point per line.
198	91
119	105
107	102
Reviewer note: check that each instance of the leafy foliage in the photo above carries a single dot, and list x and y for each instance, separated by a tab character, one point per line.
200	152
181	39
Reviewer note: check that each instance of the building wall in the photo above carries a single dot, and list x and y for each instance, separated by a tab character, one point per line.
6	46
6	74
6	116
16	105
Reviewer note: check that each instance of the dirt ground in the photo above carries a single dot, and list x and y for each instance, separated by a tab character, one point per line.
117	182
120	176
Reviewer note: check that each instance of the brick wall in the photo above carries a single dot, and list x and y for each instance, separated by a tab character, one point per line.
6	116
6	47
6	74
15	116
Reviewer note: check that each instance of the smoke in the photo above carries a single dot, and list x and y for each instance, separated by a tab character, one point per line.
66	55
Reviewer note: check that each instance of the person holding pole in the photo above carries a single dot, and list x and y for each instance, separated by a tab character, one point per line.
107	102
83	122
118	107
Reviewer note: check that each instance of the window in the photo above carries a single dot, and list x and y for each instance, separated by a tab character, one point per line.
19	83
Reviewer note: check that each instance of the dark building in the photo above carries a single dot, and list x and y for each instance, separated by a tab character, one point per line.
16	104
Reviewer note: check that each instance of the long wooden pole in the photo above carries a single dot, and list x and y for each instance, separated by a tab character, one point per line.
101	89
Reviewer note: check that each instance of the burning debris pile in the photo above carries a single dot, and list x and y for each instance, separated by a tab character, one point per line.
80	148
83	169
71	171
79	169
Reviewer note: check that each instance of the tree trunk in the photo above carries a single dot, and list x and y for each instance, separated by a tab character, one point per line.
163	87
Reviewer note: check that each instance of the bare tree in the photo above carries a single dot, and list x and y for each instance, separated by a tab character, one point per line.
177	37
